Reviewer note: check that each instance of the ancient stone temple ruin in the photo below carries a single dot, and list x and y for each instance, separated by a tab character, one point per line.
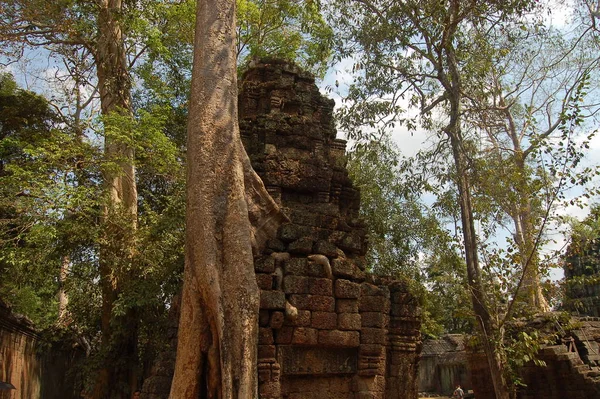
582	274
328	329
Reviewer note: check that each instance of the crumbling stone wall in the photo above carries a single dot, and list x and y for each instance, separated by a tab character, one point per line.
19	364
327	329
571	367
582	272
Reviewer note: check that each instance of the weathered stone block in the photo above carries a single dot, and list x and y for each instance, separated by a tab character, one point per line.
270	390
307	285
277	319
303	319
291	232
352	242
266	351
324	320
346	268
276	245
305	336
264	264
302	267
302	246
374	319
368	289
346	305
372	350
263	318
313	302
284	335
321	286
297	266
264	281
339	338
265	336
349	321
272	300
372	336
326	248
346	289
374	304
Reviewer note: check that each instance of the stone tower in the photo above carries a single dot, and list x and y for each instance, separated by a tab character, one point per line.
327	328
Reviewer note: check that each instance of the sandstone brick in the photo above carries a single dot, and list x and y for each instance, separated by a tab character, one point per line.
374	304
372	336
346	306
264	281
324	320
349	321
313	302
272	300
275	245
305	336
372	350
284	335
374	290
307	285
326	248
374	319
303	319
296	266
321	286
266	351
264	264
339	338
296	284
346	268
302	267
264	317
346	289
270	390
353	242
290	232
277	319
265	336
302	246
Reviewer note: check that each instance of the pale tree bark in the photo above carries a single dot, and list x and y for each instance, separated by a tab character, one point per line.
229	213
521	213
63	299
451	80
120	211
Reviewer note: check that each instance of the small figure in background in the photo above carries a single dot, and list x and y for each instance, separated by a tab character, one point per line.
458	393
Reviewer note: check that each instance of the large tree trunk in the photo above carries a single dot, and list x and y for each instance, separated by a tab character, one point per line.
523	219
228	214
117	376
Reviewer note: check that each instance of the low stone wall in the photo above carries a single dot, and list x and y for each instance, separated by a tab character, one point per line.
19	364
